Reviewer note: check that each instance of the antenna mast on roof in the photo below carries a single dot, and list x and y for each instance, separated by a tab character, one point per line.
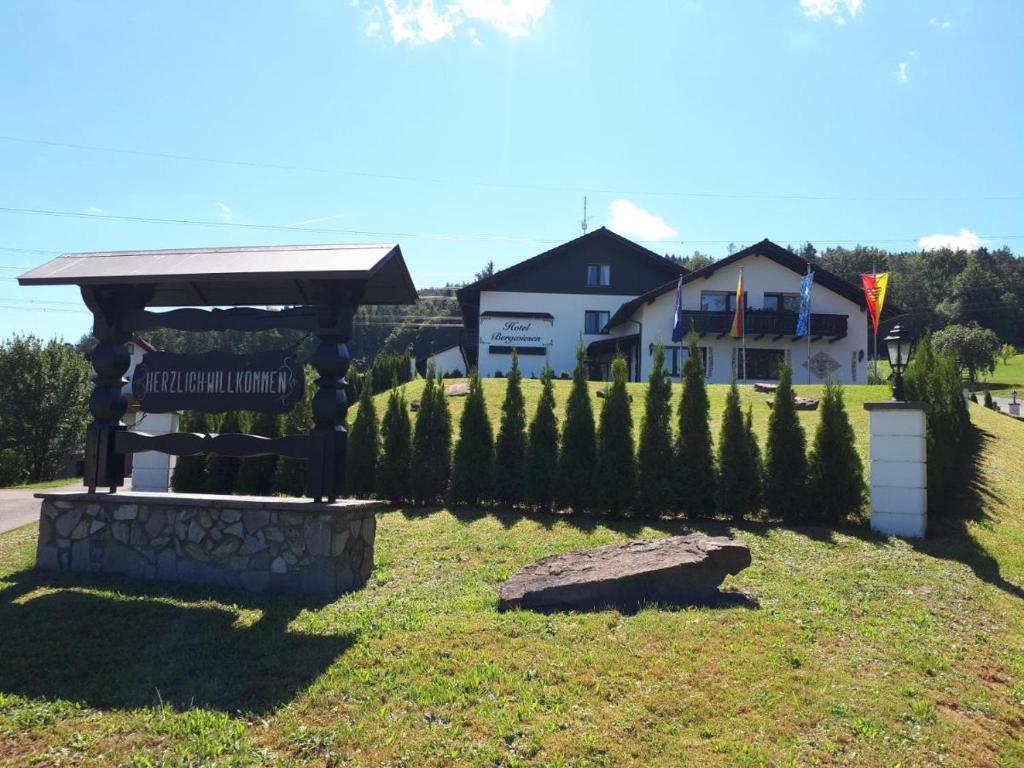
583	224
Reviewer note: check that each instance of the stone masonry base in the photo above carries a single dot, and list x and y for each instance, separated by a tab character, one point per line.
278	545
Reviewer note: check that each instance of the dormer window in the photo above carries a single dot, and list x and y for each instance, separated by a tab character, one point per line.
599	275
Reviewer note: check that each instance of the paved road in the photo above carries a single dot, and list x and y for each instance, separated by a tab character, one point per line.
19	507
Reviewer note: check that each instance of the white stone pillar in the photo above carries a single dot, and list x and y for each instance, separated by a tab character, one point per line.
899	464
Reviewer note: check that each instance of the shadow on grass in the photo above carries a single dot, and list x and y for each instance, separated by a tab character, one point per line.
949	536
130	644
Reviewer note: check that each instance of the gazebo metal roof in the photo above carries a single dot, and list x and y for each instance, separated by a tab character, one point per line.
265	275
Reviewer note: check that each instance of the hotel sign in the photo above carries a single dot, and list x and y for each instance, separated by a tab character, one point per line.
510	332
214	382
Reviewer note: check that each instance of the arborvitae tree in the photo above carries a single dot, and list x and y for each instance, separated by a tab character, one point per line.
189	474
755	467
655	482
695	466
542	449
222	471
616	462
785	476
988	399
578	455
290	476
510	446
733	489
396	430
432	443
473	466
363	449
256	474
836	477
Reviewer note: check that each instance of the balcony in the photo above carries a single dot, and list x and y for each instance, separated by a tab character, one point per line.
762	323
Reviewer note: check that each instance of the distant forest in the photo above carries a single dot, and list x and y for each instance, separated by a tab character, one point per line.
931	289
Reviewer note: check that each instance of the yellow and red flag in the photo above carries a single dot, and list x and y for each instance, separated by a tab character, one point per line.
737	319
874	293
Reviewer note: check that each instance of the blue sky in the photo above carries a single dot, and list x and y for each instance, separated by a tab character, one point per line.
470	130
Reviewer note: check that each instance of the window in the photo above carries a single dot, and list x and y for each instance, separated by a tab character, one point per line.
761	363
784	302
598	275
718	301
675	358
594	321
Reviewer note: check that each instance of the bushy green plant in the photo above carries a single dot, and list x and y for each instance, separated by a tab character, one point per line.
542	447
785	475
755	465
577	457
473	465
510	446
432	443
363	448
189	475
222	471
836	475
695	467
616	462
737	484
655	482
396	454
256	473
988	400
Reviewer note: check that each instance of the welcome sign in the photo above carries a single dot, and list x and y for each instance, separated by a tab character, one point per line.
508	332
214	382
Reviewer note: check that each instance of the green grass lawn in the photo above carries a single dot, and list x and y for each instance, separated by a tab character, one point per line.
1006	377
59	482
852	649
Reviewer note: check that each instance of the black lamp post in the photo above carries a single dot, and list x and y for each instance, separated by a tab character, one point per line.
899	345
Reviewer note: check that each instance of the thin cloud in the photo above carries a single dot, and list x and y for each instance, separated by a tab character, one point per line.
225	211
903	72
627	218
420	22
965	241
939	23
94	209
837	10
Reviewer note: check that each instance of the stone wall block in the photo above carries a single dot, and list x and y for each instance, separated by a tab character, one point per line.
126	512
67	521
255	519
155	523
121	532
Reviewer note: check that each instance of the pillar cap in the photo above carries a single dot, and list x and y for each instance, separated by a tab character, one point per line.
898	405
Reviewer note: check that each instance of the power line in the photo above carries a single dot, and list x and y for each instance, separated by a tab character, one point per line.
485	184
428	236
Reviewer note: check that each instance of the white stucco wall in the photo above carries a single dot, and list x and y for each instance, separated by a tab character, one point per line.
446	360
568	312
760	275
151	471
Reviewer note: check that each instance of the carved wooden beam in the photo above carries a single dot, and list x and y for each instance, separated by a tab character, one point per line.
233	445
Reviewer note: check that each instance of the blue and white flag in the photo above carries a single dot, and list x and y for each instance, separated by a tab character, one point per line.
677	319
803	321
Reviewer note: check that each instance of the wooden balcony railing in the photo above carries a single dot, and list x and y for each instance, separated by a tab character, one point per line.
760	323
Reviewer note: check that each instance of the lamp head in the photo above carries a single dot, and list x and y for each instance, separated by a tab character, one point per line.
899	346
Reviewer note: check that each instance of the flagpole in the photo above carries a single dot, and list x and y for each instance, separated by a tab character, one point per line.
809	294
743	323
874	326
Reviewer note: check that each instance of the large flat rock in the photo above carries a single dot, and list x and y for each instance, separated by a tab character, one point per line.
678	570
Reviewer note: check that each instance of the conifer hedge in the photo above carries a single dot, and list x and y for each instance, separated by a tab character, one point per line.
655	483
432	443
363	448
290	474
222	471
695	467
510	446
616	462
737	483
785	470
473	465
189	474
396	429
577	457
256	473
542	447
836	475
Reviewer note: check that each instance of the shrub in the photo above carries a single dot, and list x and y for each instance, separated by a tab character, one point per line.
974	396
222	471
363	449
755	466
189	475
510	447
655	484
290	475
473	466
989	403
616	462
393	473
577	457
432	443
737	484
785	475
836	476
695	468
256	473
542	447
